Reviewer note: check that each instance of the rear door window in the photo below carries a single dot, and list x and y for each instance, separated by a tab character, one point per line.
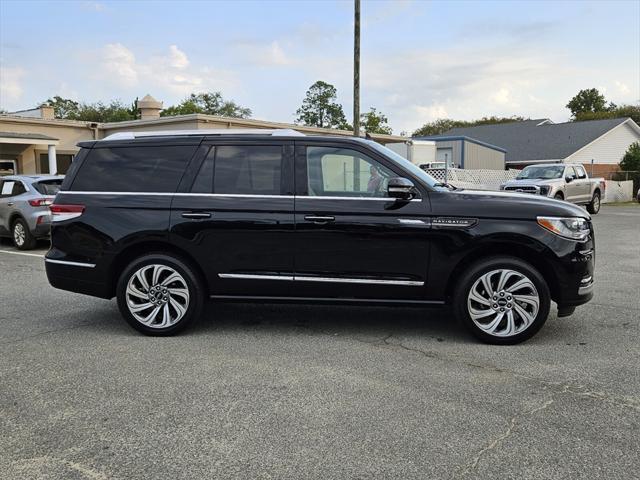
11	188
580	171
248	170
133	169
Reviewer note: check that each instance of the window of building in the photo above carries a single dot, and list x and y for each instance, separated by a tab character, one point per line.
249	169
345	172
133	169
63	161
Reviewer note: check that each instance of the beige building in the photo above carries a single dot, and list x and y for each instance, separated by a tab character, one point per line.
33	141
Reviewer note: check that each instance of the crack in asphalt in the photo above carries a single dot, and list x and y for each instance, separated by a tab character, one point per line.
562	387
511	426
46	332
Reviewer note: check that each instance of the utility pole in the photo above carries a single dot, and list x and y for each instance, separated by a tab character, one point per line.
356	69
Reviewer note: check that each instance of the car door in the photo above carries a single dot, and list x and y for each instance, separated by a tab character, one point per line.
235	215
9	201
4	208
583	183
352	240
572	188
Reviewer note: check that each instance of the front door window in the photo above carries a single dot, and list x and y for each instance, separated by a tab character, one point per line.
342	172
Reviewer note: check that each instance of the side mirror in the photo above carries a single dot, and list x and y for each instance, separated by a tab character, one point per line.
400	188
568	179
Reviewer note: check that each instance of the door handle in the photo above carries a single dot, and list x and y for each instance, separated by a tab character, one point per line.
196	215
10	204
319	218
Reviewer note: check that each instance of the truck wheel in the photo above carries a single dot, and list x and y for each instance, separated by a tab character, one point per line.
558	196
502	300
160	294
22	237
594	206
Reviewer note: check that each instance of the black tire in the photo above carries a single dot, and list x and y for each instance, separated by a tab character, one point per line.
22	237
558	196
594	207
484	266
189	277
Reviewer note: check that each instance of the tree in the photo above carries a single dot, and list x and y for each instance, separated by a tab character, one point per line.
442	125
114	111
320	109
631	111
375	122
631	160
210	103
589	100
63	107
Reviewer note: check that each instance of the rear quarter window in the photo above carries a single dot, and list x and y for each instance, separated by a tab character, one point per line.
48	187
133	169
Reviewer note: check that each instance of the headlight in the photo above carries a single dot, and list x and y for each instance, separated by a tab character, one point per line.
574	228
544	190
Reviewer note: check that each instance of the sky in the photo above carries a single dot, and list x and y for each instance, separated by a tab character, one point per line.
420	60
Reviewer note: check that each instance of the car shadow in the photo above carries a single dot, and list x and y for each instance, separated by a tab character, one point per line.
366	323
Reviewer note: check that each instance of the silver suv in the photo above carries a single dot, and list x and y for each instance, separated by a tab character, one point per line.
24	207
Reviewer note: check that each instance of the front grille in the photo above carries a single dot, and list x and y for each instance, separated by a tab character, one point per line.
524	188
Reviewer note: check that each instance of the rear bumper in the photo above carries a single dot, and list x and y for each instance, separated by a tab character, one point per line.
78	277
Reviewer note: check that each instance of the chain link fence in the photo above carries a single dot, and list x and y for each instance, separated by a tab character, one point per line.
473	179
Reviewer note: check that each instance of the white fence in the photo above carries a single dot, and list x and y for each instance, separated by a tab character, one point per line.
618	191
474	179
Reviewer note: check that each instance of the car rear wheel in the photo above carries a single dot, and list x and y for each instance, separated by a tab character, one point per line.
22	237
594	206
558	196
502	300
160	294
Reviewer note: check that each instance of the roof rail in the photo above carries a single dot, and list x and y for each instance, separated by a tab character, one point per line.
279	132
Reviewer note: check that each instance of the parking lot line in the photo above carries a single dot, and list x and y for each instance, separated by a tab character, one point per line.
21	253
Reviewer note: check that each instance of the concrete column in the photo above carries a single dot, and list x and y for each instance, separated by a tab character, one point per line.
53	165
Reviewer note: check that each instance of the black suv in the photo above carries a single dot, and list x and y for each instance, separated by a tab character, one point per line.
163	221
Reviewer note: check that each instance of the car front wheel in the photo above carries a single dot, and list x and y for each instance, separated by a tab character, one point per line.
502	300
159	294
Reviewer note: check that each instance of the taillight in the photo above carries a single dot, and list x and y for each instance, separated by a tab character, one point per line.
60	213
40	202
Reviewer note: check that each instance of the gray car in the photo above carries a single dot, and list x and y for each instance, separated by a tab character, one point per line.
24	207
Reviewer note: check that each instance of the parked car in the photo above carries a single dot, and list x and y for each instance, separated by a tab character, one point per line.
638	195
24	207
164	221
562	181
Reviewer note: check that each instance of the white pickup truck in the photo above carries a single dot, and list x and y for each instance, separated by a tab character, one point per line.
562	181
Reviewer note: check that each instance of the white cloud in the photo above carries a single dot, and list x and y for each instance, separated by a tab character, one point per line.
623	89
169	72
177	58
94	6
120	62
11	86
263	54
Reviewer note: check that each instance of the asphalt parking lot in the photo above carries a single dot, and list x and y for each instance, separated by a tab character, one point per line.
282	391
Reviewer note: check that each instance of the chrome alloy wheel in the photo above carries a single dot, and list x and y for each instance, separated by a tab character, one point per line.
157	296
503	302
596	203
19	234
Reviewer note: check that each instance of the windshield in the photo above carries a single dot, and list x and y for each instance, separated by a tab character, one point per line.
404	163
49	187
543	172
